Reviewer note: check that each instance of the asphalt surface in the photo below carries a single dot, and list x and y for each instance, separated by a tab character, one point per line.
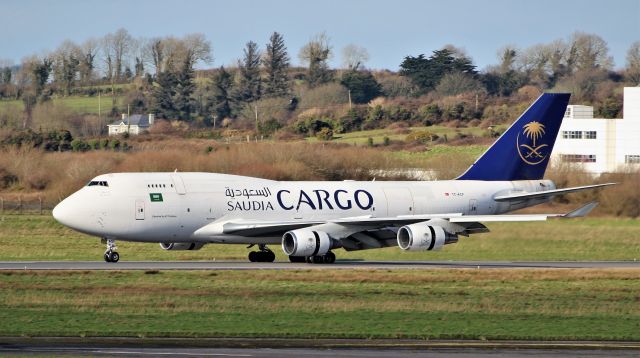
370	265
283	347
311	352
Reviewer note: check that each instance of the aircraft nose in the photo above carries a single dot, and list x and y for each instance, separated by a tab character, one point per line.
63	213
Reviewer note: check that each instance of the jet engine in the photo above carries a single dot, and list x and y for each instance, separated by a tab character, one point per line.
420	237
307	242
181	245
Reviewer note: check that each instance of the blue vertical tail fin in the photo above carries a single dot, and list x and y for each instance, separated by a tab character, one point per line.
522	152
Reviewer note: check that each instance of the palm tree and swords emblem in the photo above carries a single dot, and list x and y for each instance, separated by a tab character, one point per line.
531	154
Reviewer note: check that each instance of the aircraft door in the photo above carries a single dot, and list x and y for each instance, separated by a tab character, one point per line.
399	201
140	210
178	184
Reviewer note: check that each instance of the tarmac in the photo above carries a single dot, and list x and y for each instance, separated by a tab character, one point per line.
271	348
339	265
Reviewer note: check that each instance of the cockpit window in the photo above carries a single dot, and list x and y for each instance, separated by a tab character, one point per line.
99	183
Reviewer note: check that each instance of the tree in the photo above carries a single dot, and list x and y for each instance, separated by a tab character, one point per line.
221	99
183	98
455	83
163	95
362	86
276	65
39	70
66	64
88	52
117	45
589	51
633	63
169	53
155	49
426	73
315	55
354	57
250	84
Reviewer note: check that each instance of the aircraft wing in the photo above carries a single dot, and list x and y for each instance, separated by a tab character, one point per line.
547	193
464	224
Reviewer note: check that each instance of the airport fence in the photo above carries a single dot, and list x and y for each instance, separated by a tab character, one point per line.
32	206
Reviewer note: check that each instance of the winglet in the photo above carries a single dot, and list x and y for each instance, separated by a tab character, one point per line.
582	211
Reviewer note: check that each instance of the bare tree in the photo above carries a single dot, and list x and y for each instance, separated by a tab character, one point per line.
633	63
116	47
66	61
88	51
198	48
507	57
354	57
589	51
167	54
155	51
315	55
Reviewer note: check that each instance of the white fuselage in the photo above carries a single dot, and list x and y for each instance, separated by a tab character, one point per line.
170	207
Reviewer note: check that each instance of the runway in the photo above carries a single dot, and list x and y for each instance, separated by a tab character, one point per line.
291	347
313	352
339	265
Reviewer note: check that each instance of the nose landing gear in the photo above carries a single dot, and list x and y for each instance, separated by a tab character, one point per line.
111	255
264	255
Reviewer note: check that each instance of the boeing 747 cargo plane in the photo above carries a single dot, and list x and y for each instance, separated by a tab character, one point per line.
184	211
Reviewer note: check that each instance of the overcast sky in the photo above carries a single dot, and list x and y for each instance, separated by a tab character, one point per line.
389	30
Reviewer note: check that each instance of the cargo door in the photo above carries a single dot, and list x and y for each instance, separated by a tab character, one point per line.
399	201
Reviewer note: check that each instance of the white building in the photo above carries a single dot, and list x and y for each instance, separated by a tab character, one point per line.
133	124
600	145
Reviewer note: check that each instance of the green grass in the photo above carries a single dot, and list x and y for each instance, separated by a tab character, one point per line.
362	137
79	104
33	237
445	304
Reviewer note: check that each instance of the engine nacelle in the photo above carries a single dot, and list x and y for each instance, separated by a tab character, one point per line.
178	246
417	237
306	242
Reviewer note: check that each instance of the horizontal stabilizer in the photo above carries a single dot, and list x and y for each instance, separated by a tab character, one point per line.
583	211
547	193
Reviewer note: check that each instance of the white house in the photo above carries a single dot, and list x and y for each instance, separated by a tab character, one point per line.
600	145
133	124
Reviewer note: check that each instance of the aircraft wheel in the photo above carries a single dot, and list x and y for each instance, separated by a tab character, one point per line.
114	256
317	259
297	259
329	258
106	257
254	256
269	256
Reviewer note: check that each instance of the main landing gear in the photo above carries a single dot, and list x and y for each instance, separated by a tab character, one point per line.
264	255
327	258
111	255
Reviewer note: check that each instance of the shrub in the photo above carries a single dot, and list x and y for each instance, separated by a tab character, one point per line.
422	137
115	144
78	145
370	142
325	134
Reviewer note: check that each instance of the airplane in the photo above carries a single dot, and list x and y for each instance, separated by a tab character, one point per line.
311	219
